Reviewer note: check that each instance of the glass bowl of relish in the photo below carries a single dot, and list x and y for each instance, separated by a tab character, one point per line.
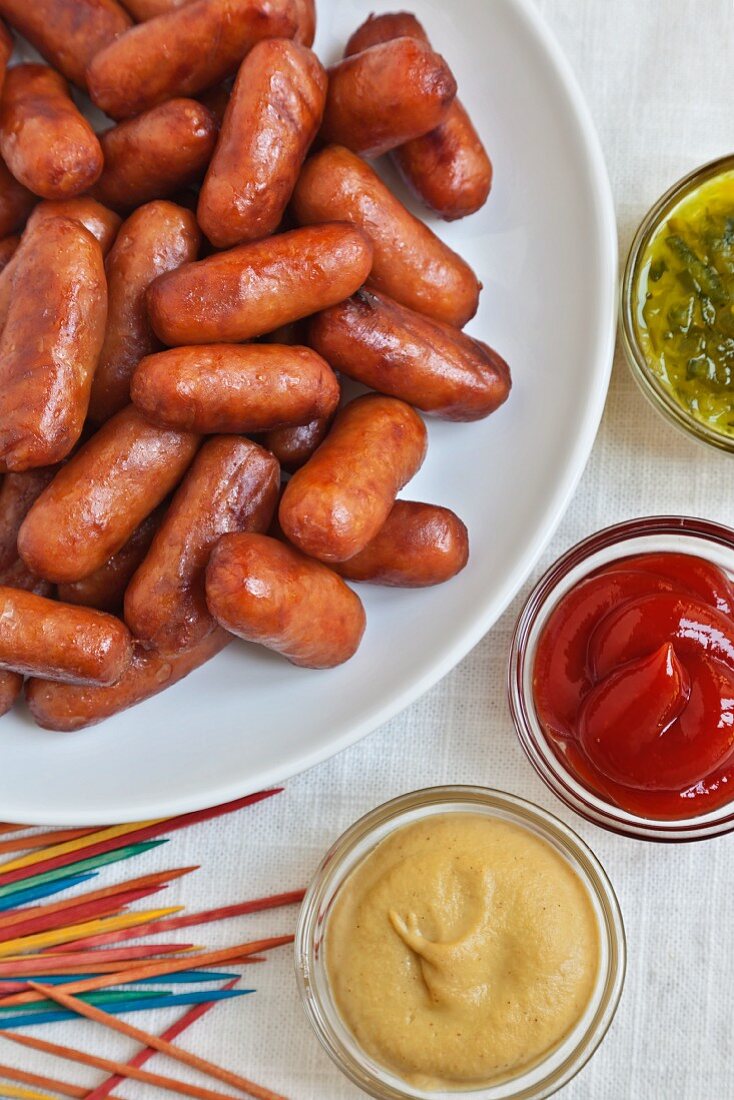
678	304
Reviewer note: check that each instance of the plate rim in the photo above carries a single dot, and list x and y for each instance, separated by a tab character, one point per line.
607	307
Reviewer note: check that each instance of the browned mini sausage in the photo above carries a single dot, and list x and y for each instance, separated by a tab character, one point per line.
266	592
448	168
101	222
105	588
156	154
50	343
77	645
158	237
254	288
419	545
395	350
11	685
183	52
233	485
410	263
45	141
335	504
68	33
101	495
16	202
386	95
8	247
272	118
294	446
67	707
234	388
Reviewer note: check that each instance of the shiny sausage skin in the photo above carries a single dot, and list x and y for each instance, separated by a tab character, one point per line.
182	52
306	15
158	237
386	95
101	495
335	504
45	141
233	485
66	707
16	202
266	592
101	222
51	342
156	154
419	545
41	637
18	492
105	588
273	116
67	33
8	248
234	388
255	288
11	685
395	350
448	168
294	446
410	263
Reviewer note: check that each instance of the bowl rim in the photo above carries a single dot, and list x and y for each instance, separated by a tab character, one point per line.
573	794
646	378
390	816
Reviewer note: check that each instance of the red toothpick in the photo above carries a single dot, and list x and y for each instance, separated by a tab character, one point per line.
46	963
156	970
146	1053
158	828
189	920
113	1023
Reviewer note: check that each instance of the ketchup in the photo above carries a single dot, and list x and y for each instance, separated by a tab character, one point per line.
634	684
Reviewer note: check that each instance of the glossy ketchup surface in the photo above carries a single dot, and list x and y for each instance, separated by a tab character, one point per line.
634	684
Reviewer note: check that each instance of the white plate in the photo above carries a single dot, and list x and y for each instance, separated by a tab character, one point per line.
545	248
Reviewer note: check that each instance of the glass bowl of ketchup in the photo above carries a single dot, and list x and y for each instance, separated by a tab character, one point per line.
621	678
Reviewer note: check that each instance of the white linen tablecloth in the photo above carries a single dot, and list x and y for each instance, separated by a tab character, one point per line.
658	78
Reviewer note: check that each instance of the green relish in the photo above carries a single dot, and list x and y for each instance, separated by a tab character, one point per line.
685	303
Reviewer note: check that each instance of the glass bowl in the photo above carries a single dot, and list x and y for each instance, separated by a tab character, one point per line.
565	1061
647	379
699	537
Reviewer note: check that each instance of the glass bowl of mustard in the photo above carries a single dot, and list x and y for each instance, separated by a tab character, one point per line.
459	940
677	304
598	646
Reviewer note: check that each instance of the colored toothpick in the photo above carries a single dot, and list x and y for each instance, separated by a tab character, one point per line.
191	920
158	970
116	957
146	1053
74	931
107	840
123	1007
124	1070
90	1012
91	864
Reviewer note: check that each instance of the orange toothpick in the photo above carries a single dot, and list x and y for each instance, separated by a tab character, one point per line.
120	1069
155	970
155	1042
